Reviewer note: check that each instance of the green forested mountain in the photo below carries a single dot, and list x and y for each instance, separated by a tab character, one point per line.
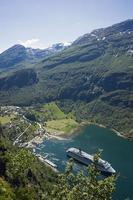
93	78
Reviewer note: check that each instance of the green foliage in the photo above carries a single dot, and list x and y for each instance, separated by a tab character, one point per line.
25	193
52	112
19	79
19	164
33	115
79	186
6	192
24	174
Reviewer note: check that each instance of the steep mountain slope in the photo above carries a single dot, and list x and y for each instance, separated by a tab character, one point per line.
22	175
12	56
104	33
93	78
19	55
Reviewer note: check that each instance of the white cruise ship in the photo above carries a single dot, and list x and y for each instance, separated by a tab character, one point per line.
88	159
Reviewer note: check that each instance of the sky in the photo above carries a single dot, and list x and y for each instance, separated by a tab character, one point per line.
41	23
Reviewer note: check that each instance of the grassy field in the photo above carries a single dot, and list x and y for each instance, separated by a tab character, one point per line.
6	119
57	121
53	112
62	126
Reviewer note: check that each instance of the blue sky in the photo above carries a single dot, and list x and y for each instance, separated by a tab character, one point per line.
40	23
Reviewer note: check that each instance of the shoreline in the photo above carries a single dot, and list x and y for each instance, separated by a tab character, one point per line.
118	133
64	136
103	126
41	138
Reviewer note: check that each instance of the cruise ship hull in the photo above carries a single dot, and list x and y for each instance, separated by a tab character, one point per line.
87	160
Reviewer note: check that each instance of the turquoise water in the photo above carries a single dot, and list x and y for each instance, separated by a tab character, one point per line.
116	150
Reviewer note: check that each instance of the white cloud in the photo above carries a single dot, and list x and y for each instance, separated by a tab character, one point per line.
34	43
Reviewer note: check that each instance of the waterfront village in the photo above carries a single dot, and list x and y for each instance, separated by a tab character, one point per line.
27	127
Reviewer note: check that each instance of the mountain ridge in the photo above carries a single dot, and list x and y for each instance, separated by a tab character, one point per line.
92	79
18	54
101	33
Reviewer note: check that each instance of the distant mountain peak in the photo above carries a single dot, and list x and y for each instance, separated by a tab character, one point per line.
17	46
18	54
14	47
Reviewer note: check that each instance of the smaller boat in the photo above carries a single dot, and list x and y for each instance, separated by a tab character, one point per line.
87	159
50	163
46	161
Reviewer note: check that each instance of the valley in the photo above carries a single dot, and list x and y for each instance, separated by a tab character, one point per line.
91	78
79	94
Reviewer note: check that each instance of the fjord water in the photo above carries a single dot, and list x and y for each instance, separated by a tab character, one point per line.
116	150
